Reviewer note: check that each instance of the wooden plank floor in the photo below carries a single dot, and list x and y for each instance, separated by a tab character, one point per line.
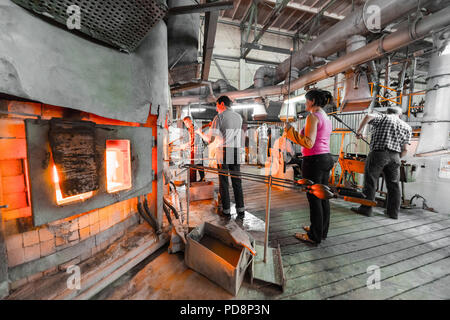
412	253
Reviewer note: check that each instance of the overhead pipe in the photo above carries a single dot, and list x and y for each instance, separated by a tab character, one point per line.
334	38
375	49
376	86
294	74
210	87
264	76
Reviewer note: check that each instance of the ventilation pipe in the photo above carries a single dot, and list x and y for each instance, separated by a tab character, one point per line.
220	85
294	74
264	76
436	118
182	33
374	50
210	89
356	94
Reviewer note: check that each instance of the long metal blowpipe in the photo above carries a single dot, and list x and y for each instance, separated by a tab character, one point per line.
320	191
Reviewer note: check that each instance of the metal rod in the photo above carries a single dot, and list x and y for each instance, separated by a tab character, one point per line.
238	174
188	195
266	234
340	120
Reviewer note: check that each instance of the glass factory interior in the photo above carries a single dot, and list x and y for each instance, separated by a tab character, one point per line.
224	150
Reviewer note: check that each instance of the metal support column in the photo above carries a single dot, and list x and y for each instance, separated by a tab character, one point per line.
242	84
266	234
188	194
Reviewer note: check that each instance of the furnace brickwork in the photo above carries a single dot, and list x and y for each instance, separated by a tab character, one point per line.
34	252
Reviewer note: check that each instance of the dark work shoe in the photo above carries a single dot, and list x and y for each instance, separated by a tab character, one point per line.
359	211
223	213
392	216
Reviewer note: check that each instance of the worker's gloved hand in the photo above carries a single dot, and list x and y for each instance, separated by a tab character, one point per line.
198	131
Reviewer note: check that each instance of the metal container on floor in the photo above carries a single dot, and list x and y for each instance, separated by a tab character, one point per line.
220	253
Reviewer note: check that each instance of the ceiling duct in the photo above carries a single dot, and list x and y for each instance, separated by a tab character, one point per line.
373	50
357	95
182	32
264	76
120	23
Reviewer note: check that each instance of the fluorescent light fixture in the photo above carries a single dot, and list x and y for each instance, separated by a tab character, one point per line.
198	109
300	98
259	112
241	106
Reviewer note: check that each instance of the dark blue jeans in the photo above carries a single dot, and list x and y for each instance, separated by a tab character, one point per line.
230	165
317	169
387	162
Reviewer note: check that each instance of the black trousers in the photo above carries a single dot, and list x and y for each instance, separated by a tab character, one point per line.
297	168
317	169
230	165
388	162
193	175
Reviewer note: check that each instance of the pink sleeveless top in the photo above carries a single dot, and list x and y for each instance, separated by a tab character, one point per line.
322	144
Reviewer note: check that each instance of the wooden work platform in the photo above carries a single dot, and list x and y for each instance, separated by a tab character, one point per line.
412	253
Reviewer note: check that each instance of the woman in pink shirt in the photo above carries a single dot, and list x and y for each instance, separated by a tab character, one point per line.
317	162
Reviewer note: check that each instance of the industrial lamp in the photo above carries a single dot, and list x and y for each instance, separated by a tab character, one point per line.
288	111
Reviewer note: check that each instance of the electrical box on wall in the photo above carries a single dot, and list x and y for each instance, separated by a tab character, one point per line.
73	170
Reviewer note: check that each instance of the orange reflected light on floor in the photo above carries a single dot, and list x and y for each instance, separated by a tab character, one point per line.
59	197
118	165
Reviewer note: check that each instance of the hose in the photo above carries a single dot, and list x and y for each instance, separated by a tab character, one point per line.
149	213
175	212
167	212
144	216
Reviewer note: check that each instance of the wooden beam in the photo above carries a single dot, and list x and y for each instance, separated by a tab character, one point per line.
287	19
296	21
310	9
207	7
247	11
211	19
321	11
235	9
